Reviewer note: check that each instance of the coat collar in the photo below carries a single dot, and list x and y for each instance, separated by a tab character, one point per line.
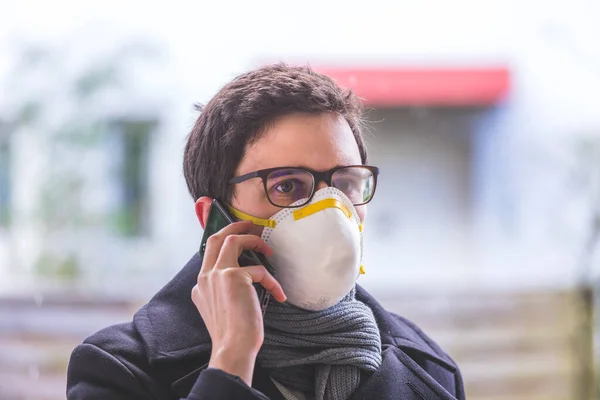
172	329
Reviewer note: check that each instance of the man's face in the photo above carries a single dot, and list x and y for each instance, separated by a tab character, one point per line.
318	142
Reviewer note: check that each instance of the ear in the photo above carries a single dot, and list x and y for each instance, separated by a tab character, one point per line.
202	208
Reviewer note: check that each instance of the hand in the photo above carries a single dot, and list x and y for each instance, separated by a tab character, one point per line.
227	301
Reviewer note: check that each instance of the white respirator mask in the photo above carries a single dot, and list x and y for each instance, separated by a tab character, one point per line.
317	248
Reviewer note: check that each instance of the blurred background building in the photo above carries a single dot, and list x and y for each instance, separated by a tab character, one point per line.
484	121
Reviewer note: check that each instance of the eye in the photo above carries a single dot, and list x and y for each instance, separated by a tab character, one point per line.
286	186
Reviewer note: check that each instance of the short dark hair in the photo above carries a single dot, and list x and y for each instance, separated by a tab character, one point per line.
241	111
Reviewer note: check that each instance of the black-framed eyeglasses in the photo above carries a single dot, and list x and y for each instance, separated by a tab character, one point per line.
285	186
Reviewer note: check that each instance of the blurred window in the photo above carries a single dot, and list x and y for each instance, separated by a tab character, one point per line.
130	162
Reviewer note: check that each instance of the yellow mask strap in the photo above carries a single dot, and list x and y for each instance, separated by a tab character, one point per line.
267	223
319	206
298	214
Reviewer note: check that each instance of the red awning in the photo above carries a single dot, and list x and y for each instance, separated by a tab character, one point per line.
399	87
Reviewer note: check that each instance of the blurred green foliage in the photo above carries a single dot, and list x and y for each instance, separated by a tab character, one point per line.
62	104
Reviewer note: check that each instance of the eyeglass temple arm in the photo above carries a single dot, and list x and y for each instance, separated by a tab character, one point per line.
245	177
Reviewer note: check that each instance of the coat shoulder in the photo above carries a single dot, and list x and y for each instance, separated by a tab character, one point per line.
111	362
420	340
424	351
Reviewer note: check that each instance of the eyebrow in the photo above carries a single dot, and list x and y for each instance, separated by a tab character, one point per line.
282	172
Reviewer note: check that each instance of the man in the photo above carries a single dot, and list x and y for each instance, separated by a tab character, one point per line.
282	148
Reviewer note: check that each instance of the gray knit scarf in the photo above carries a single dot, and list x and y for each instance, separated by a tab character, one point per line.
321	353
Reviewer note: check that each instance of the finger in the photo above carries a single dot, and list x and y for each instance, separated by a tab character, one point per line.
215	242
233	246
259	274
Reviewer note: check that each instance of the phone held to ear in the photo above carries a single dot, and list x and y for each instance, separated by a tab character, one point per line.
218	218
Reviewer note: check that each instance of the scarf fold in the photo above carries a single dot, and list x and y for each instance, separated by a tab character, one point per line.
321	353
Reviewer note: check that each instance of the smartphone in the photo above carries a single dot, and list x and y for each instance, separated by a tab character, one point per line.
218	218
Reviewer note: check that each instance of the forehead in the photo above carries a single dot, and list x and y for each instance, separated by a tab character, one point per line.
316	141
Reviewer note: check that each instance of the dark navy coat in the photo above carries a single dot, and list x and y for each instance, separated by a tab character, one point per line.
163	355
